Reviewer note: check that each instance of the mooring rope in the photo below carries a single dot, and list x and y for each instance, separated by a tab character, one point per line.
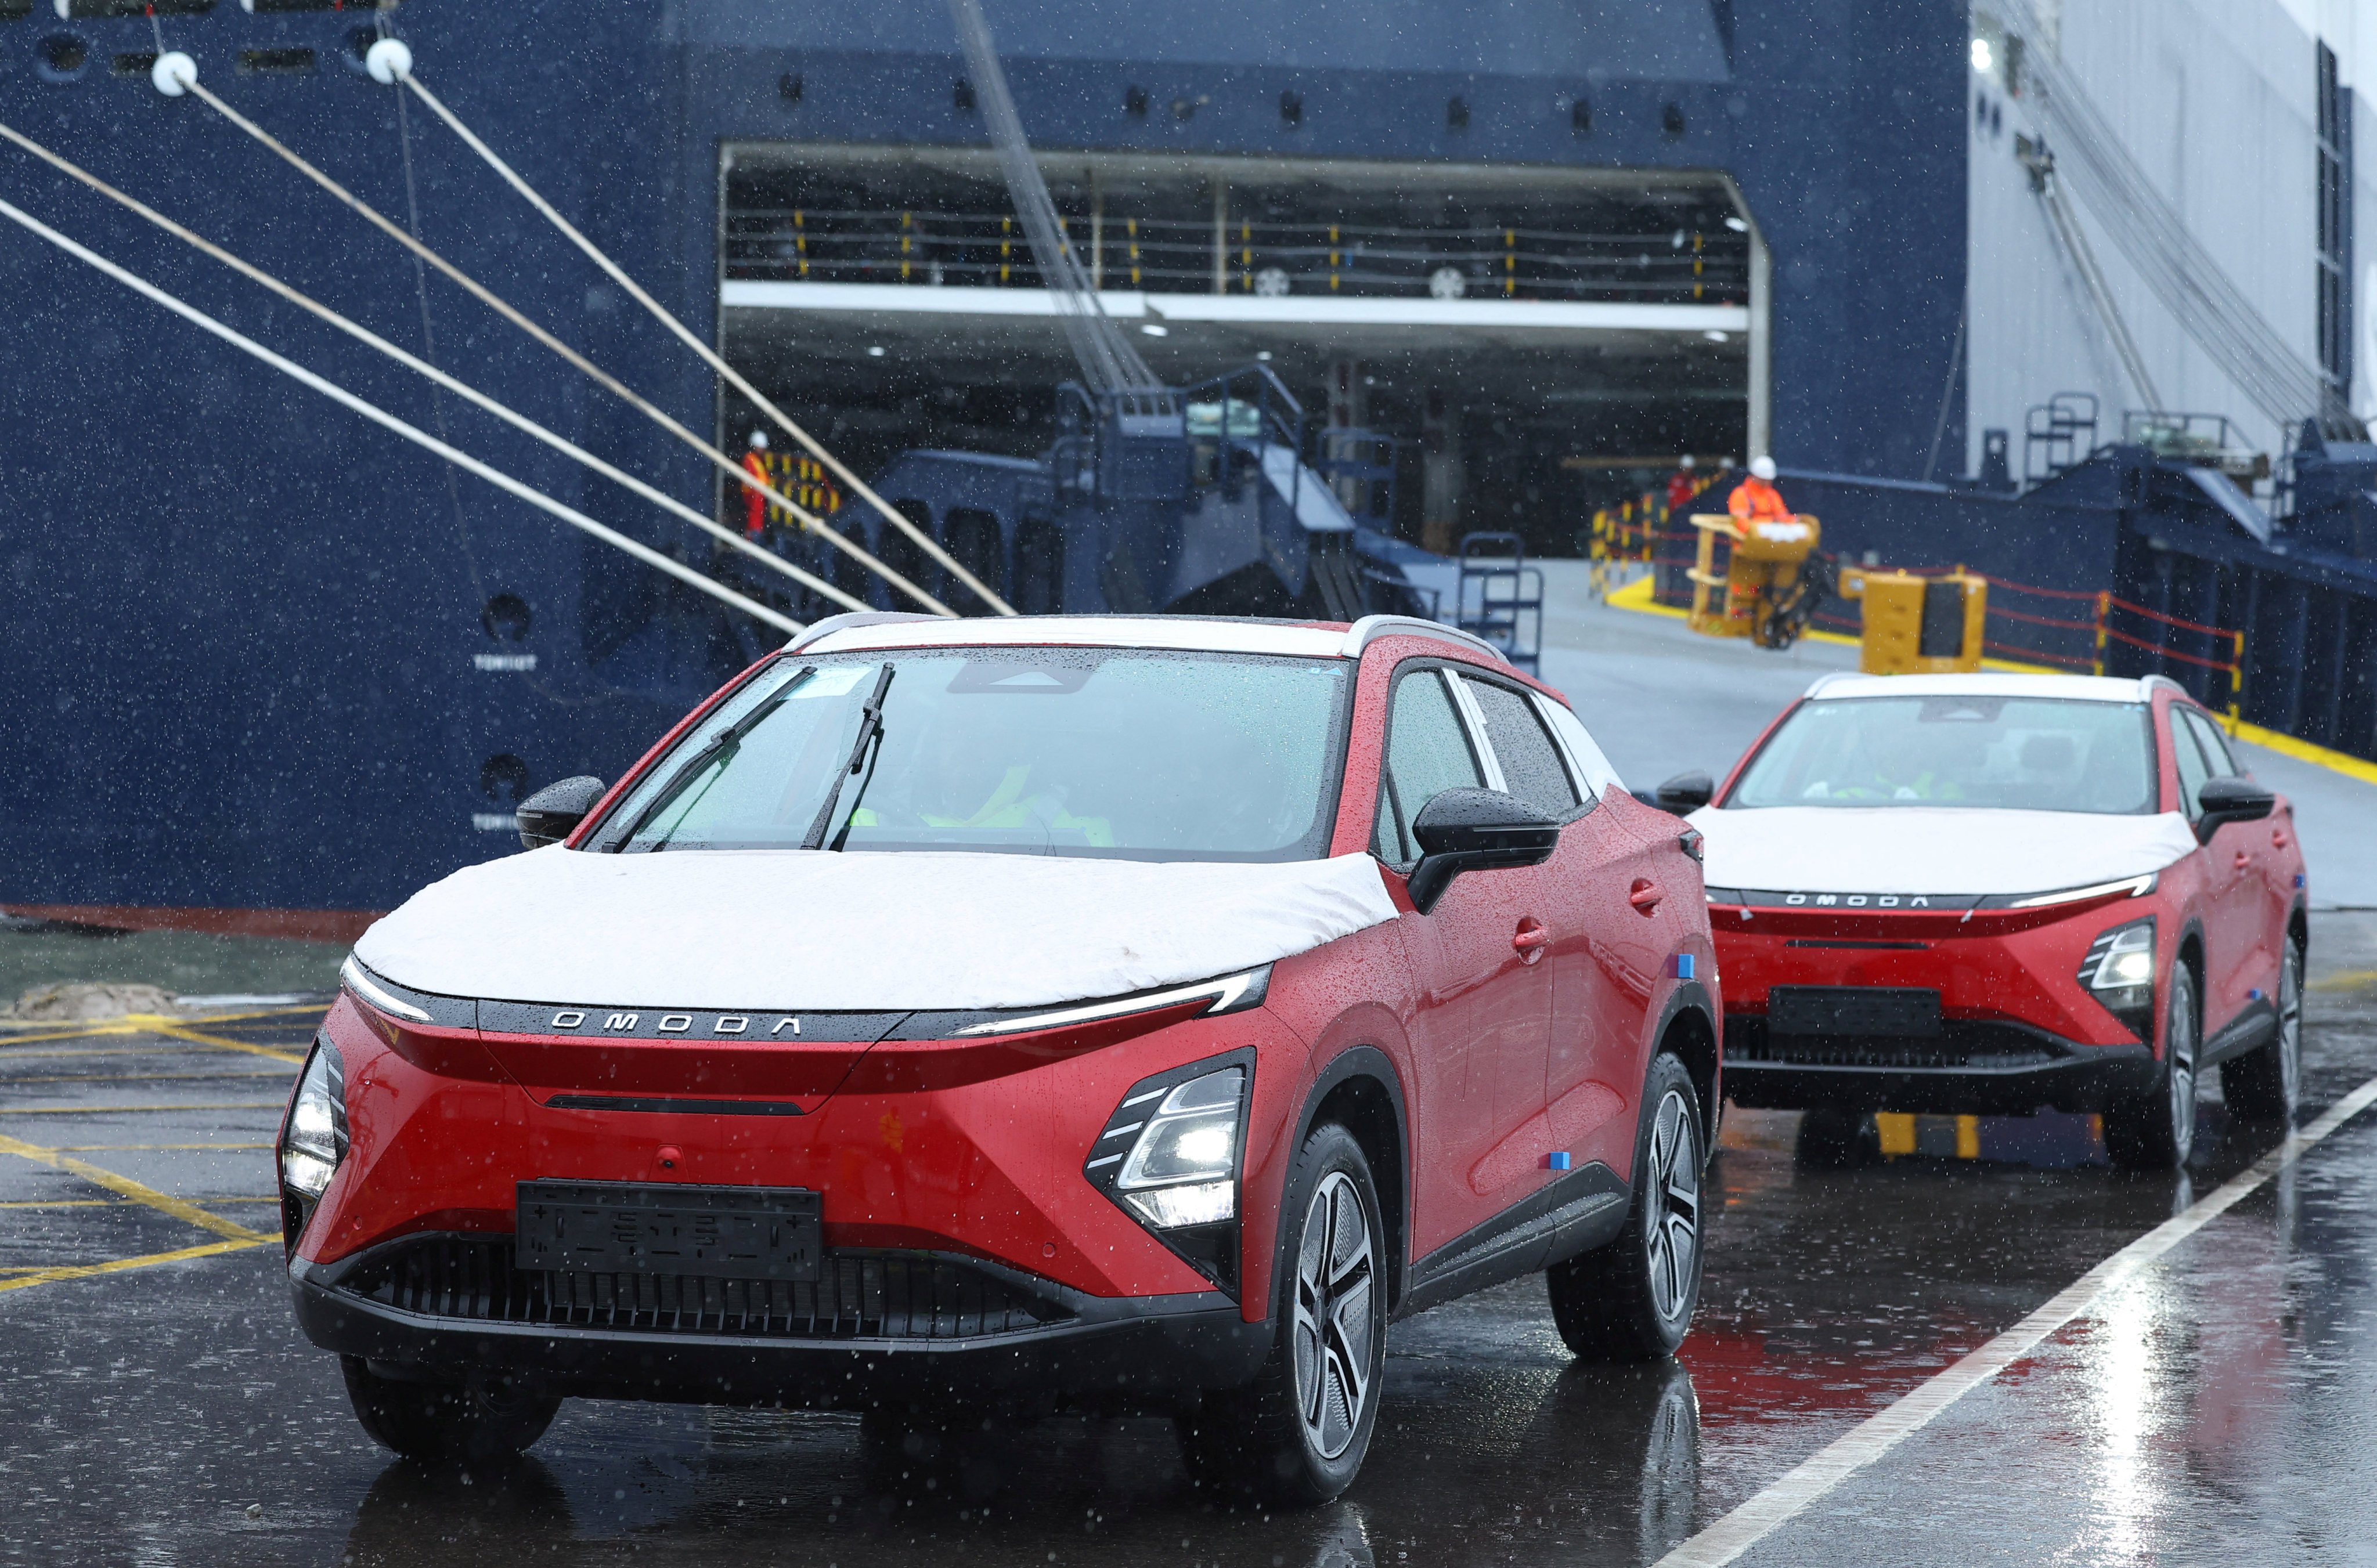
393	58
381	417
185	78
422	367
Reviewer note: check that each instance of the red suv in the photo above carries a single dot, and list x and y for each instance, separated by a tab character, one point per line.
1022	1014
1989	893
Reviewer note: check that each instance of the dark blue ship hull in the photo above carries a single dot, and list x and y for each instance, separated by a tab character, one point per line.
264	667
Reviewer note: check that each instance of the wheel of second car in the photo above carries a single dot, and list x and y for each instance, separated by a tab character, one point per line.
1631	1300
1299	1434
2266	1084
2156	1130
445	1422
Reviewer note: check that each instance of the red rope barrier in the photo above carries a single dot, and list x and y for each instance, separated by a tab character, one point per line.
2009	650
2172	619
2043	620
2166	652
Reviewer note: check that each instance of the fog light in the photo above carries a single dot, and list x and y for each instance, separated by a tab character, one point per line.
314	1139
1202	1203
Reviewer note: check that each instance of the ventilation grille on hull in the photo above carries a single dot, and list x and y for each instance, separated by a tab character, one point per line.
859	1296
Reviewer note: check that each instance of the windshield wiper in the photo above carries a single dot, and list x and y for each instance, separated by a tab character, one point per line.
725	740
870	726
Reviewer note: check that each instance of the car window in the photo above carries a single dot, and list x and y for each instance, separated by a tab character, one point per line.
1095	752
2193	769
2216	755
1594	772
1957	748
1428	752
1531	769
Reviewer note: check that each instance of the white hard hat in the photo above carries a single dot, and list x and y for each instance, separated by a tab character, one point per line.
1685	461
758	441
1762	467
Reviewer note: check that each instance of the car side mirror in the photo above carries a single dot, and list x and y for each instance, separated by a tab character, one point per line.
2230	800
1685	792
1475	830
554	813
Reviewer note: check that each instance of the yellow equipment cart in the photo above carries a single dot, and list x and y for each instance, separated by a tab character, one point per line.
1763	565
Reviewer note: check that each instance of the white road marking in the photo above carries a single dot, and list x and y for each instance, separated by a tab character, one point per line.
1769	1510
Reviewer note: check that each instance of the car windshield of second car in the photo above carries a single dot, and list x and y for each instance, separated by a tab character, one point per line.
2024	754
1085	752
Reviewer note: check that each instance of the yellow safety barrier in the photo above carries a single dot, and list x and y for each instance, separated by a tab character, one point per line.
1918	625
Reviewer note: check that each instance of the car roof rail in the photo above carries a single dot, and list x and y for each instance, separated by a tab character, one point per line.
2154	681
1370	628
851	621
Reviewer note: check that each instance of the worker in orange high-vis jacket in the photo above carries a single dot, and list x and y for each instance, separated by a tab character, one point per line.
1755	499
755	505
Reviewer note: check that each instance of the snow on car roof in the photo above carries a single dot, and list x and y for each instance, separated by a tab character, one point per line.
1188	632
2072	688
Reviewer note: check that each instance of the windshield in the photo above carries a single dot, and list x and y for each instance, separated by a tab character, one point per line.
1094	752
2029	753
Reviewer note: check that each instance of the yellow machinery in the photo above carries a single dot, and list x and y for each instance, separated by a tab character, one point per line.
1762	570
1918	625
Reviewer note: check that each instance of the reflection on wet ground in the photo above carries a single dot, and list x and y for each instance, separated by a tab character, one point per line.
2210	1409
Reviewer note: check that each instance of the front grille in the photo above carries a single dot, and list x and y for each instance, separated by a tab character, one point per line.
858	1295
1961	1045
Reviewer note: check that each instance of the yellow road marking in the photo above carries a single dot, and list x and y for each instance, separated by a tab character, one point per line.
86	1270
151	1022
223	1041
125	1186
115	1203
126	1109
92	1148
2349	979
143	1078
2303	751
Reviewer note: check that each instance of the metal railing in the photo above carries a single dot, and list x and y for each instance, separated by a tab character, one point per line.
928	248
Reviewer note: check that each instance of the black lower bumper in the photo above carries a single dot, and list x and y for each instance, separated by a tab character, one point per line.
1985	1068
1081	1351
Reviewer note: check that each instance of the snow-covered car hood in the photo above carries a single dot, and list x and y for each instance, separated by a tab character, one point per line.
813	931
1931	848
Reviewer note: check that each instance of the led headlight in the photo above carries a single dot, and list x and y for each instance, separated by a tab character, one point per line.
2119	972
1169	1156
314	1139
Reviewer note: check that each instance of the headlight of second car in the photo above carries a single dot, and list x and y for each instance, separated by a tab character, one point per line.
2119	972
314	1139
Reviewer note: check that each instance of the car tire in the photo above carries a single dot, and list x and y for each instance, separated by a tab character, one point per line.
1297	1434
2155	1131
1631	1300
2266	1084
447	1422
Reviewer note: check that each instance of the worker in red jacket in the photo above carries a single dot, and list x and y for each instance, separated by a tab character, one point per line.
1755	499
1681	484
755	505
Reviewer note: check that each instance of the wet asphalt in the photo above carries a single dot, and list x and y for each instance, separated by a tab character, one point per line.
2216	1408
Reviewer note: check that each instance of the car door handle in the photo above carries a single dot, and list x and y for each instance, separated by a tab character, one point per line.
1530	940
2277	838
2243	860
1645	895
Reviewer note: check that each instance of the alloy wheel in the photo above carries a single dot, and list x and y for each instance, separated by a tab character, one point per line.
2182	1032
2290	1028
1336	1323
1672	1216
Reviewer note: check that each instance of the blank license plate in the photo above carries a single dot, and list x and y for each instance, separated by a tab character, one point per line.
1853	1010
661	1227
